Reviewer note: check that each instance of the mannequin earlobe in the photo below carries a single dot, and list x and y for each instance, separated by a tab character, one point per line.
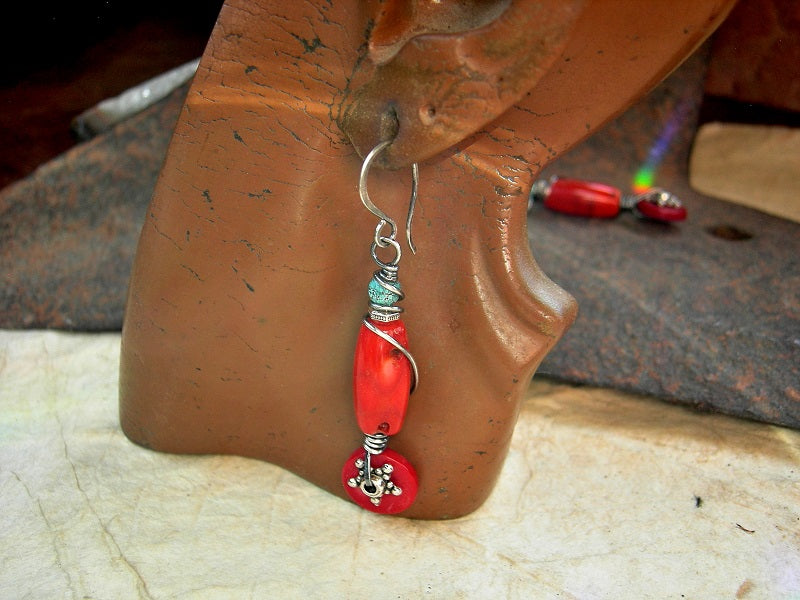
430	87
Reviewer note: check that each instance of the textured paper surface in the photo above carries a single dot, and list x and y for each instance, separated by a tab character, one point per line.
603	496
754	165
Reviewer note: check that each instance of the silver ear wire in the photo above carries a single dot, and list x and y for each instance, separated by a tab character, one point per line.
370	205
411	205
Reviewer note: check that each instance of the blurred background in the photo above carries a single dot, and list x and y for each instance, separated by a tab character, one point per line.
61	58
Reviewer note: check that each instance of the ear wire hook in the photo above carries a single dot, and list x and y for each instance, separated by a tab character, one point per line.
370	205
412	203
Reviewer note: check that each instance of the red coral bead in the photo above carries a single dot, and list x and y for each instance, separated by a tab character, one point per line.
381	379
583	198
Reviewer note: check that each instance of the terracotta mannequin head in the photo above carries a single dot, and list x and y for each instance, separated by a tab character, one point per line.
249	282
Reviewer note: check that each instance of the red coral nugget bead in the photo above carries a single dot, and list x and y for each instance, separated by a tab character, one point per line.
382	377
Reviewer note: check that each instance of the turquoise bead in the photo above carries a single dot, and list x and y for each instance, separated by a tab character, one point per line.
381	296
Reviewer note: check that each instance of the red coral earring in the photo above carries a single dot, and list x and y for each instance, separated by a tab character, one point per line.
384	373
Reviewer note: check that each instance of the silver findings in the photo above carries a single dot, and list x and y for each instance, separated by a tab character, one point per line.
411	205
399	347
374	483
362	189
375	443
386	243
383	316
540	189
385	219
656	196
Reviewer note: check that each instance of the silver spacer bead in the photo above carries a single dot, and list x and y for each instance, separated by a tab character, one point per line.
384	317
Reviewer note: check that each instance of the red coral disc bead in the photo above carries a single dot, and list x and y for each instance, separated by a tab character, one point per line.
661	213
390	488
382	378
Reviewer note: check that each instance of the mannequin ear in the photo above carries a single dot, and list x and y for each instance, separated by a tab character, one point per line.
436	72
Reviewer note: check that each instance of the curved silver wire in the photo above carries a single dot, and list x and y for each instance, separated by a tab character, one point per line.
362	186
375	443
387	242
412	203
397	345
388	281
370	205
